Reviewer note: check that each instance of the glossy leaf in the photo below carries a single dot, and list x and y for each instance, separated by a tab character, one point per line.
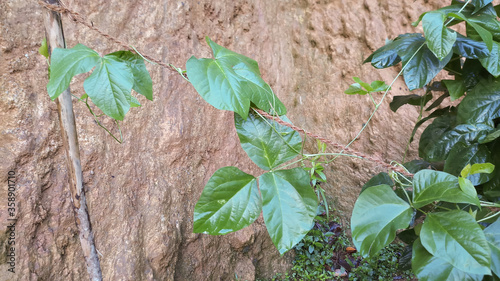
469	48
289	206
66	63
492	62
430	268
229	202
231	82
266	142
413	99
430	186
455	237
142	80
479	4
439	137
423	66
462	154
109	87
482	104
492	234
376	216
475	30
439	38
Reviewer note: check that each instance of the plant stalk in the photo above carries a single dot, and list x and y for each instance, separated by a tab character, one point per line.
55	39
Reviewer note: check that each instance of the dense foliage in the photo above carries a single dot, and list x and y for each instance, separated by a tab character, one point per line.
450	207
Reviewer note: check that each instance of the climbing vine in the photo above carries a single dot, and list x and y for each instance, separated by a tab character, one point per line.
446	203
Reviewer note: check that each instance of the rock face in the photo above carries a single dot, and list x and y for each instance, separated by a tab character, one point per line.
142	193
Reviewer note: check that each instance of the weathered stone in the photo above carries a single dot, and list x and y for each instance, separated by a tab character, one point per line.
141	194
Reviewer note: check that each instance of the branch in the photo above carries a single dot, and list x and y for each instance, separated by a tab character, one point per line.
55	39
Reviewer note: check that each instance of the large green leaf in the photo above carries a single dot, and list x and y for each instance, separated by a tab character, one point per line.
289	206
66	63
492	233
109	87
440	136
487	22
423	66
479	4
439	38
462	154
455	237
231	82
492	62
430	186
431	268
376	216
229	202
469	48
482	104
142	80
266	142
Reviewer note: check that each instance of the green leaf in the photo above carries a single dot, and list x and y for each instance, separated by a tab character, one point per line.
142	80
355	89
429	268
482	103
492	233
439	38
109	87
378	179
456	88
134	102
479	4
455	237
423	67
487	22
480	168
44	49
377	214
289	206
430	186
467	187
461	155
266	142
413	99
475	30
469	48
385	56
492	136
229	202
492	62
66	63
439	137
231	81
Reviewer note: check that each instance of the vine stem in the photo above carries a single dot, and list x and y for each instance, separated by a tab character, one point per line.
75	16
55	39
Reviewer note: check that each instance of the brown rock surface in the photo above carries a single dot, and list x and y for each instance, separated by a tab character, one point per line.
141	193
